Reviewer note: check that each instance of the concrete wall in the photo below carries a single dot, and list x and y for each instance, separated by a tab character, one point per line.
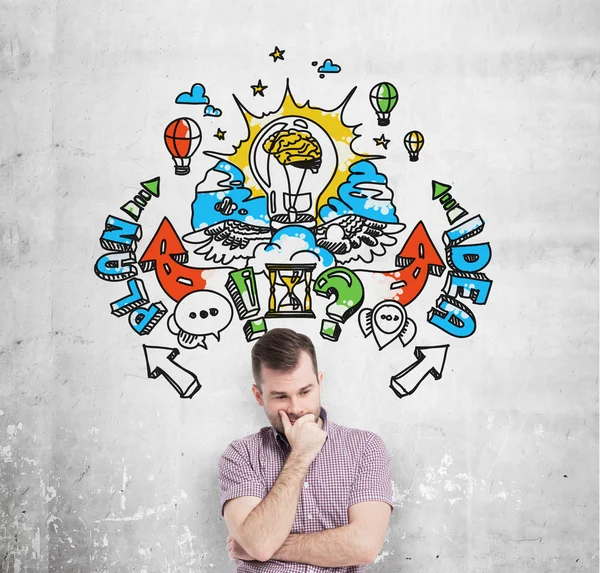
495	465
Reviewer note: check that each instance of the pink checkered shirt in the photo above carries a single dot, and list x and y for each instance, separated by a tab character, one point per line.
352	466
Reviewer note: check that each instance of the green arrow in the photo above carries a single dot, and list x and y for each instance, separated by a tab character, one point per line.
439	189
152	186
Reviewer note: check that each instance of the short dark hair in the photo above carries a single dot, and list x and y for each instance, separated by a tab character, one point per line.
279	349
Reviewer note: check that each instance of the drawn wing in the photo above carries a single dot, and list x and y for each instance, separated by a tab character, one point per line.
352	237
365	321
228	240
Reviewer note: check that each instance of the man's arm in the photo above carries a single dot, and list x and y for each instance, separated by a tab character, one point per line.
357	543
370	506
262	528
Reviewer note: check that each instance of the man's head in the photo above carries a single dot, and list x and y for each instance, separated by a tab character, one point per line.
284	365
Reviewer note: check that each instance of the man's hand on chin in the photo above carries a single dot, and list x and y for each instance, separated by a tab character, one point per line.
236	551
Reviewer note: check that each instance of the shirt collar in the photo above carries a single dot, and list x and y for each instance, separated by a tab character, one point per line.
280	437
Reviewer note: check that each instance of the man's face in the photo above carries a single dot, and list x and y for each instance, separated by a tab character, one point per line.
297	392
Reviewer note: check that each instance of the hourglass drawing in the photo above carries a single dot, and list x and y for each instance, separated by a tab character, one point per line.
290	290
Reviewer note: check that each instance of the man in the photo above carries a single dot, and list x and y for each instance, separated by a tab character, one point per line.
305	494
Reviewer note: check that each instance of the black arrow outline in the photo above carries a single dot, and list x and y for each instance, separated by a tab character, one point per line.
418	352
158	371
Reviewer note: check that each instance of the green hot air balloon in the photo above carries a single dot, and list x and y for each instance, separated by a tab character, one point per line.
384	98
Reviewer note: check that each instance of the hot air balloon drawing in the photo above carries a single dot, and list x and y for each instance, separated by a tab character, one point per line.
384	98
413	141
182	138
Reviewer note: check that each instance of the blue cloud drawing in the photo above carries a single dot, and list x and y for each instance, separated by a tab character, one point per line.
293	244
364	193
195	96
221	196
329	67
212	111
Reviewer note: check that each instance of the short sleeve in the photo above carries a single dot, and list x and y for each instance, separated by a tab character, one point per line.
373	480
237	478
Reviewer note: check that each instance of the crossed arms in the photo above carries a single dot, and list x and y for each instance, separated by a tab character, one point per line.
262	525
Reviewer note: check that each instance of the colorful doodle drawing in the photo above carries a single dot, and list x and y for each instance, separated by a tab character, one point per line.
453	317
383	98
381	141
212	111
229	222
120	235
277	54
475	286
160	361
299	179
352	237
430	362
386	322
345	287
134	208
467	258
360	222
464	231
440	192
416	261
267	175
182	138
143	320
198	315
293	201
259	89
254	329
241	286
165	255
196	96
413	142
116	266
328	67
348	293
463	280
137	297
292	244
330	330
293	158
289	290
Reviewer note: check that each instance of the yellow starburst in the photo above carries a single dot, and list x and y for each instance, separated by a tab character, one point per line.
331	121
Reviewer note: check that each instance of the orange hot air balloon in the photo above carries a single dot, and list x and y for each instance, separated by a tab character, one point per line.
182	138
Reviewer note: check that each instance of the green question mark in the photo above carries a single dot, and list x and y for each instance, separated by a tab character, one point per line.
349	295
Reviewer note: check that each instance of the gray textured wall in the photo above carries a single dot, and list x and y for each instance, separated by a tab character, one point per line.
495	466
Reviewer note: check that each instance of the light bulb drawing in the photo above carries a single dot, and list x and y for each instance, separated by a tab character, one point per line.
383	98
182	138
413	141
293	159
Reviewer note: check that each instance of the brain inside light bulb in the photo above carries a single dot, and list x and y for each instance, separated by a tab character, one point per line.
295	147
293	159
304	151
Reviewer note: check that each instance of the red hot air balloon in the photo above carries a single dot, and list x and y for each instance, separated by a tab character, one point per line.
182	138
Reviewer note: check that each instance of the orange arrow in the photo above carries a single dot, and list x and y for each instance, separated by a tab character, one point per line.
417	260
166	254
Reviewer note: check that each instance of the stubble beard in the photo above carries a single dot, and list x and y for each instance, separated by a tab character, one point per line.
278	424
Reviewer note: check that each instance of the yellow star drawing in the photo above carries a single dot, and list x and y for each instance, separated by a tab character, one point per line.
381	141
259	89
220	134
277	54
